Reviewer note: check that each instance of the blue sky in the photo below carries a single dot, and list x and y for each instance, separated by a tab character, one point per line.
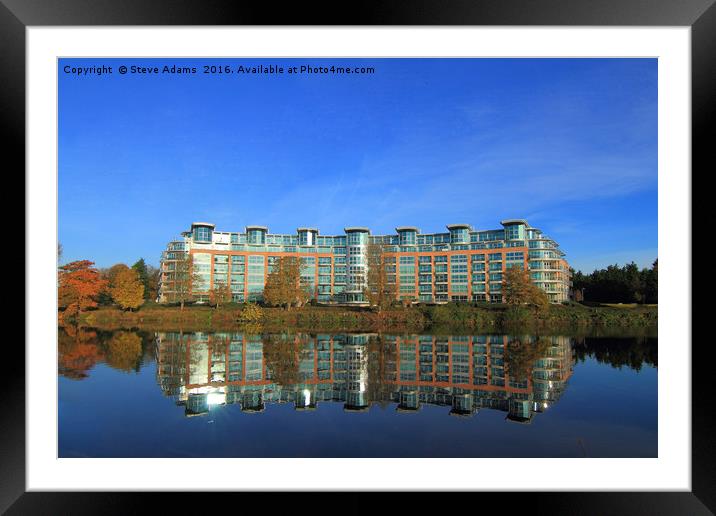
568	144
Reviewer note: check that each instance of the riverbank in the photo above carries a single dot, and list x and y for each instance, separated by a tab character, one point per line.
449	317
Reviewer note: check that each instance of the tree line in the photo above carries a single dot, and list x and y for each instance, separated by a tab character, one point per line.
627	284
81	285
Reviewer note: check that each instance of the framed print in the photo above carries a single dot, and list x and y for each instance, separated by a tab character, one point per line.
299	253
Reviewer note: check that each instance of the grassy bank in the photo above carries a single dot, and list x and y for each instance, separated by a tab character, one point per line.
450	318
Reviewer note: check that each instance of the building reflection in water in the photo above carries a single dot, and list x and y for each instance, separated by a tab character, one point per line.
519	375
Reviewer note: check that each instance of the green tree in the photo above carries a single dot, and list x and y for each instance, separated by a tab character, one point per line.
633	281
143	273
379	290
651	283
127	289
616	284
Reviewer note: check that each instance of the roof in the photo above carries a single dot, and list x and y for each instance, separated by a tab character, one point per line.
264	228
458	226
203	224
356	228
407	228
508	222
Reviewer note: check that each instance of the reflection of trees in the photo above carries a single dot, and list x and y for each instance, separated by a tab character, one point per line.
521	355
630	352
381	362
124	351
78	352
283	354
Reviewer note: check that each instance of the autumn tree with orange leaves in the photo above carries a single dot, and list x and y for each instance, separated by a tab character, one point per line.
78	352
79	286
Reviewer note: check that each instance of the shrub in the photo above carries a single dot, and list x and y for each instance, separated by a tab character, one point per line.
250	313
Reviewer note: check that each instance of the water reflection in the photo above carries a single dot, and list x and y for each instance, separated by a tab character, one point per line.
518	375
80	349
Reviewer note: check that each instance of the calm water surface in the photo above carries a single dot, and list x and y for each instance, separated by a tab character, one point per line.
139	394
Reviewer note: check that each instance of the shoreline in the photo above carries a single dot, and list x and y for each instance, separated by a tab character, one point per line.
450	317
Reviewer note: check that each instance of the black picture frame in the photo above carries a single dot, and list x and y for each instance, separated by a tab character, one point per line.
700	15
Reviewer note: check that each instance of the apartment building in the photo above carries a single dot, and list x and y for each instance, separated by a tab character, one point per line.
461	264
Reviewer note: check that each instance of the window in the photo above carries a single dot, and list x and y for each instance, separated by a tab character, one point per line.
202	234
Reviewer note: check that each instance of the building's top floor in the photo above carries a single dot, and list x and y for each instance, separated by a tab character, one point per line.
514	233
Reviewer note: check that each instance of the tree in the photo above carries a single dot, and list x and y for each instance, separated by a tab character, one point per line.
219	294
651	283
79	287
633	281
124	351
617	284
381	364
59	252
250	313
143	273
77	352
109	275
153	276
518	289
379	291
283	284
127	289
283	354
183	280
521	355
